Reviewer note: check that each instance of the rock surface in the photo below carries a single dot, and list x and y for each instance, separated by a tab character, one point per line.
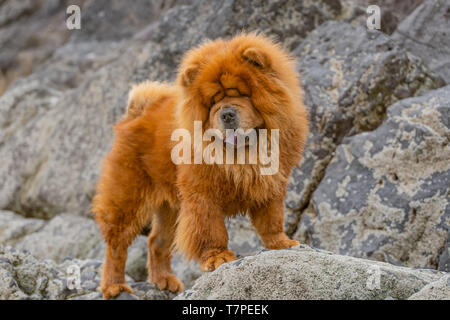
392	11
426	34
14	227
23	277
437	290
386	193
22	50
68	236
350	75
297	273
101	21
305	273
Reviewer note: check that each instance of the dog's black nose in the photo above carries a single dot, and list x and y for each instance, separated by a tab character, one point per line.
228	116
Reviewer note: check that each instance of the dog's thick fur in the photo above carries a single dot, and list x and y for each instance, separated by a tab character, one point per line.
187	203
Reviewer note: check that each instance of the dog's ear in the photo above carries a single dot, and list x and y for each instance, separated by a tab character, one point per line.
256	57
188	75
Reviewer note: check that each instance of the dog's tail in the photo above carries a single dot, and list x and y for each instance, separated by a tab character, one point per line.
146	94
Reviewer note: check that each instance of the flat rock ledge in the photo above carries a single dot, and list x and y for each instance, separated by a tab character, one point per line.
306	273
298	273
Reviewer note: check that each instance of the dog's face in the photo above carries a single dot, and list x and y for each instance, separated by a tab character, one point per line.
246	83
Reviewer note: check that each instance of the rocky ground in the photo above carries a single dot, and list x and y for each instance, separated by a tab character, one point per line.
370	196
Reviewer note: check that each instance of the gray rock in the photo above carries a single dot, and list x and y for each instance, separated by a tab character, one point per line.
426	34
141	291
126	296
186	271
385	194
53	153
392	11
22	276
104	20
350	76
136	266
89	296
146	291
66	235
14	227
297	273
355	14
444	260
289	21
23	50
107	20
437	290
305	273
244	239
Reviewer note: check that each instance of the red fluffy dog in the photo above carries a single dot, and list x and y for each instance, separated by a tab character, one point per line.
248	82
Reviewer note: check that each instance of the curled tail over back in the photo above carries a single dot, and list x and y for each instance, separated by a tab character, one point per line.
146	94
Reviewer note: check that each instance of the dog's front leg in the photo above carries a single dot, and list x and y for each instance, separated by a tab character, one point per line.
269	221
202	235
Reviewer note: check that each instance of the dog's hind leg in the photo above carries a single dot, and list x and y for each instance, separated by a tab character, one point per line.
120	213
113	276
160	243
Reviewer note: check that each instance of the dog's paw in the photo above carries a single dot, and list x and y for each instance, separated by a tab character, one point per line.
169	282
115	289
213	261
283	244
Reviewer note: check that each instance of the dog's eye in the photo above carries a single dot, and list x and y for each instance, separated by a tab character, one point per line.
216	98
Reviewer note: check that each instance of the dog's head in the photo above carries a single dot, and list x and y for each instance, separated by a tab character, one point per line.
248	82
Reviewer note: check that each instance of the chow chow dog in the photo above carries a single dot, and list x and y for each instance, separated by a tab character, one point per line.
246	82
